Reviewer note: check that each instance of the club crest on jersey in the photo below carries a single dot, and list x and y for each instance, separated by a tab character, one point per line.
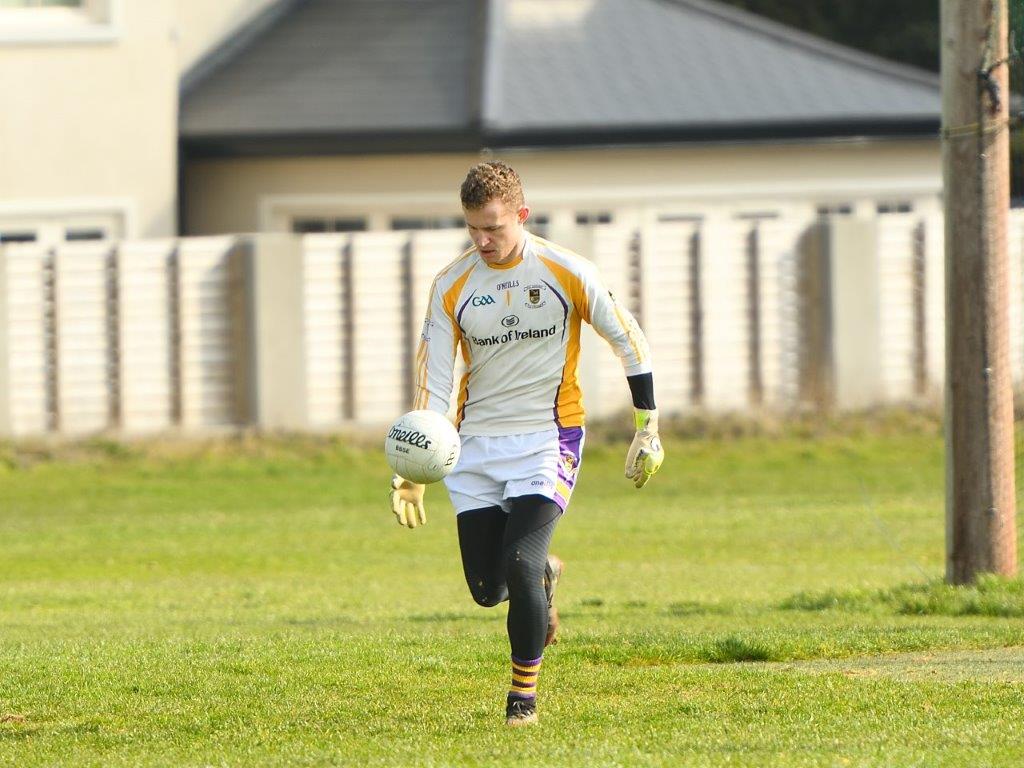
482	301
535	296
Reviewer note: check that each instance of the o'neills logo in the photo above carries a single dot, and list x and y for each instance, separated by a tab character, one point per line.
509	336
410	437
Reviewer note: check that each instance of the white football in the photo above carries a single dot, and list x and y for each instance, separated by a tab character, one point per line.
422	446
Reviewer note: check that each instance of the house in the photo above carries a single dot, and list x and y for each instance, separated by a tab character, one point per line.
337	115
707	142
150	118
88	138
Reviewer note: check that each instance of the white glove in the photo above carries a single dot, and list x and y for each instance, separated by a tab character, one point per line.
407	502
645	454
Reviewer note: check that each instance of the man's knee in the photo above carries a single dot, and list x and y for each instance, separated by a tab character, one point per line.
487	595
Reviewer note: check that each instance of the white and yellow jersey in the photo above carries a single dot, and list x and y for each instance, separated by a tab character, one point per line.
519	329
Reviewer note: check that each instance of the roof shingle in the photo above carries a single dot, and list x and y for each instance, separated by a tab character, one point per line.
476	73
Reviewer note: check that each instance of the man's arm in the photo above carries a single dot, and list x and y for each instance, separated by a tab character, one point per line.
641	387
435	355
619	328
435	362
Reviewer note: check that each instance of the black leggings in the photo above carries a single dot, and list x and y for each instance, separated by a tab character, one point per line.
503	557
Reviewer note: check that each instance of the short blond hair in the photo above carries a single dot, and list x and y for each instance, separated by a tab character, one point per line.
491	180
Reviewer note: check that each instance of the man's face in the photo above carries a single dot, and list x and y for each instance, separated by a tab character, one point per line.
496	230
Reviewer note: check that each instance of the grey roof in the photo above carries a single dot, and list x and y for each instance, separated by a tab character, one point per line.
341	65
360	75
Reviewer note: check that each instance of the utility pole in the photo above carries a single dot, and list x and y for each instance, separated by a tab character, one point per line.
981	531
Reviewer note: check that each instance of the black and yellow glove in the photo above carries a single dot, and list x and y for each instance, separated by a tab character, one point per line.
645	453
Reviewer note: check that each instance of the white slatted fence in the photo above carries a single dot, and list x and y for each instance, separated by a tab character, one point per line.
207	346
150	336
28	272
147	332
327	329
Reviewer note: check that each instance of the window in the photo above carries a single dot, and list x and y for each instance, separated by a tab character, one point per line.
835	209
58	20
309	224
41	3
78	234
892	206
684	218
17	236
51	229
538	224
584	219
427	222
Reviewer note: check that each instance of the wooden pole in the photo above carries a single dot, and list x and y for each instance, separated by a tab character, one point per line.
980	509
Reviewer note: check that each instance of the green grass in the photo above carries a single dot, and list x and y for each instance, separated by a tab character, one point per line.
766	601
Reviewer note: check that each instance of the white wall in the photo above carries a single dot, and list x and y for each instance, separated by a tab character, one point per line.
259	195
89	133
90	125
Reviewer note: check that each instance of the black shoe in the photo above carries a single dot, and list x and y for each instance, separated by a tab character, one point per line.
552	573
520	711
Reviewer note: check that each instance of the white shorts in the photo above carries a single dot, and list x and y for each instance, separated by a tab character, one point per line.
494	469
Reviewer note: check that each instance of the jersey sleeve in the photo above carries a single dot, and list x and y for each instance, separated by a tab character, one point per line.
615	324
435	357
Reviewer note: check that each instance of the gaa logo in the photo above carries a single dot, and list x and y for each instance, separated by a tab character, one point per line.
481	301
509	320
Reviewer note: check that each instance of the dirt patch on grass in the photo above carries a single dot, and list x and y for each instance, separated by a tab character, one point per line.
1004	665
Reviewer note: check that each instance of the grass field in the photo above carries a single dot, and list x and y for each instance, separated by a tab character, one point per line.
764	602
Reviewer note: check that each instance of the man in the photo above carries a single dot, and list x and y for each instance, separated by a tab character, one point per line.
513	303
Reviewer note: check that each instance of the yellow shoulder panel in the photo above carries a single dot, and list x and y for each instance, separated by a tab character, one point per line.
573	285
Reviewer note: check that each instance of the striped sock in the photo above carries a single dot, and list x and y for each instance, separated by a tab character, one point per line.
524	678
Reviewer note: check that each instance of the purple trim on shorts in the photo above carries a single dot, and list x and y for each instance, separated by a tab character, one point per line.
570	443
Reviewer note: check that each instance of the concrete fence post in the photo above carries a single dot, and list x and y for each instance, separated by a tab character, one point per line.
276	372
854	297
6	415
242	314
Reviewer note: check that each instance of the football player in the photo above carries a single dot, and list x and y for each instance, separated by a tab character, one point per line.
513	304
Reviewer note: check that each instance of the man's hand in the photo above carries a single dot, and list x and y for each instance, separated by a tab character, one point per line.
645	454
407	502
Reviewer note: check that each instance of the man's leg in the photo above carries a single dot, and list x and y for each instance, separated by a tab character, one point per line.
481	533
528	532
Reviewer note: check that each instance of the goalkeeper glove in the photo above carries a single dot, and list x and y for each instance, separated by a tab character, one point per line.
645	454
407	502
